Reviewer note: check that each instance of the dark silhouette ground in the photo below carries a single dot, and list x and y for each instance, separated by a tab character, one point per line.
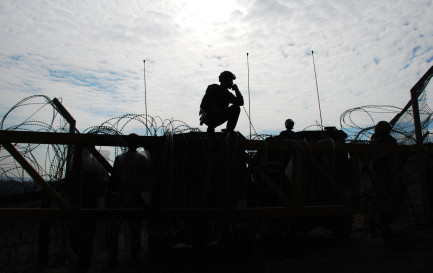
316	251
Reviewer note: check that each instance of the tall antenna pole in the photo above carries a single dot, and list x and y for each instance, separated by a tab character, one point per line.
145	94
317	89
249	100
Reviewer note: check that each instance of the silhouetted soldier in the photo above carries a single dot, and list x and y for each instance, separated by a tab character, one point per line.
215	108
381	167
382	134
288	133
94	179
130	187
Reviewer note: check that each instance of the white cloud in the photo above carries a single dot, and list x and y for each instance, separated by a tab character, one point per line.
91	54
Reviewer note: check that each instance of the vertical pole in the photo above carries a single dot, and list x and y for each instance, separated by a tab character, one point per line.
317	89
72	128
77	187
419	141
145	94
427	188
249	100
356	180
416	116
298	177
414	93
44	236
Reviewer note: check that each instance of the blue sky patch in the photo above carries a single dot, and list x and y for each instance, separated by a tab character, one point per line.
376	60
15	57
415	50
80	79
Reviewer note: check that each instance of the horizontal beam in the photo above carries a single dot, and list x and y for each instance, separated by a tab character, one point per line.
41	214
157	141
69	138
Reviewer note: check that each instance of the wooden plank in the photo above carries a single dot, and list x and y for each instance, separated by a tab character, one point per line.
35	175
277	190
356	189
153	141
328	178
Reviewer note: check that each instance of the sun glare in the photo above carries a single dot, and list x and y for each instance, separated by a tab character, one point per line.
201	17
210	11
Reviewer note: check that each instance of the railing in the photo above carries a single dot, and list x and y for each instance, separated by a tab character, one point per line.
293	203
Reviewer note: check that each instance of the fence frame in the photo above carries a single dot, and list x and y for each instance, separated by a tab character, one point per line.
352	204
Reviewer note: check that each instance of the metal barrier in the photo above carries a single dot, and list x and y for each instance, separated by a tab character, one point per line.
294	205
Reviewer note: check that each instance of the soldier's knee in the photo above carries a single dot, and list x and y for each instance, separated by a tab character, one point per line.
235	109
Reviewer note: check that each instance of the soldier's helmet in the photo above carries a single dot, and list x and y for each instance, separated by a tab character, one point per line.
227	75
289	123
383	128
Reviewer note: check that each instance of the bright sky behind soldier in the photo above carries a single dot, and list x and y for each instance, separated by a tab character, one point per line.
90	53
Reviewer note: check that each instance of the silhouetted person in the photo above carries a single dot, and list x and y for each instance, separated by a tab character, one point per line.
130	187
94	179
382	134
288	133
381	167
220	105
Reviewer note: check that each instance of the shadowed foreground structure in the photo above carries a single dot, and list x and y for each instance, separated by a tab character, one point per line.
225	206
221	203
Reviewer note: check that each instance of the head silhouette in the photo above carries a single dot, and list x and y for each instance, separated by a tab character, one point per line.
289	124
226	78
382	128
132	146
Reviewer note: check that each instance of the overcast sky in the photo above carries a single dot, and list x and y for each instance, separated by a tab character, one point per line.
90	54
